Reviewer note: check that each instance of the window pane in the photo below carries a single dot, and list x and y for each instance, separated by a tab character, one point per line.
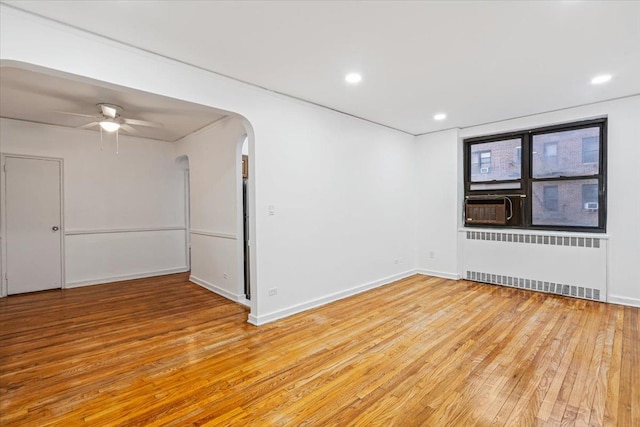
496	161
568	203
569	153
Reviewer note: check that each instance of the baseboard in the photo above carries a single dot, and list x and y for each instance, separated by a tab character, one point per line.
452	276
244	301
111	279
617	299
218	290
286	312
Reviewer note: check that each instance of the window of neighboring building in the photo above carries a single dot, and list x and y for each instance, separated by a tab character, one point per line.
551	150
550	198
590	196
557	183
485	162
590	149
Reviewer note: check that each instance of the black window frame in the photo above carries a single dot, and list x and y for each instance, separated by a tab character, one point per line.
523	195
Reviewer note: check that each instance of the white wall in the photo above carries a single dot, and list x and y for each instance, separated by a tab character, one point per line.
123	214
341	187
438	194
623	210
342	194
214	172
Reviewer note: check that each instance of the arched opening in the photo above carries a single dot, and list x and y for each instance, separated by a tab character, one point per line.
141	218
219	224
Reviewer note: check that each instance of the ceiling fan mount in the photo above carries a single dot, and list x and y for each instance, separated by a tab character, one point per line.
110	110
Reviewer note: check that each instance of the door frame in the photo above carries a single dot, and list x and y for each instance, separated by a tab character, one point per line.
4	288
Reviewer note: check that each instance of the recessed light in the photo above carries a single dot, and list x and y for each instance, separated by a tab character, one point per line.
602	78
353	78
440	116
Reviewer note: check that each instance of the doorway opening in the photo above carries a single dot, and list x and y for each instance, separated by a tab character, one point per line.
245	216
183	163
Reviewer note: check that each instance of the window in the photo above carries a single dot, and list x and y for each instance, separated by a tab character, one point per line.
551	150
590	149
481	162
590	196
550	158
554	177
550	195
485	161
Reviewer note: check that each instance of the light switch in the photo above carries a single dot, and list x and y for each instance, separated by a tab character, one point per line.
272	210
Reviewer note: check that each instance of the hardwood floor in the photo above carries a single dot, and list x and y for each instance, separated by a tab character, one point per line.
421	351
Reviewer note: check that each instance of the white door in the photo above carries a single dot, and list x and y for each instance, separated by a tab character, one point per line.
33	224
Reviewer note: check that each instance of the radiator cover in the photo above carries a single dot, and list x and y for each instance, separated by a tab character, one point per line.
558	263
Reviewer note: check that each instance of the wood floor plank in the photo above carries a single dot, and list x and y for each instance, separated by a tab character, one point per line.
627	371
421	351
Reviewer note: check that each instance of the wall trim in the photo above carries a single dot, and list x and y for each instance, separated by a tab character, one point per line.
101	281
617	299
123	230
213	234
444	275
218	290
298	308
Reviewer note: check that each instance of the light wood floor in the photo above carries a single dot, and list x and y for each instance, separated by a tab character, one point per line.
422	351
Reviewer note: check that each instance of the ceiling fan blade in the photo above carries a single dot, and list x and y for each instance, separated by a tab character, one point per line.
143	123
125	127
75	114
108	111
89	125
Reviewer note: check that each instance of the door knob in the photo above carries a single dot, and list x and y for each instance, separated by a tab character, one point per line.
55	228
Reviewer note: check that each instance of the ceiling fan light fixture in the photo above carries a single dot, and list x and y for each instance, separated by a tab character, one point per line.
109	125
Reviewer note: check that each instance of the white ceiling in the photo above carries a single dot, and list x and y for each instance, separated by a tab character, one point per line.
477	61
42	98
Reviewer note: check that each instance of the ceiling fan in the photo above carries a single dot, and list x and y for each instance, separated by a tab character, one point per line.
110	119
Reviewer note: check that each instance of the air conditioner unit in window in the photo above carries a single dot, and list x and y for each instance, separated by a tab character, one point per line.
488	210
484	170
592	206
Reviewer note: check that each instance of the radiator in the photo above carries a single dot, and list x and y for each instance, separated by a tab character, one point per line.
560	263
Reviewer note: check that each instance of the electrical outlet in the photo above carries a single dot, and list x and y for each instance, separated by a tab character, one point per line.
396	261
273	292
225	275
432	254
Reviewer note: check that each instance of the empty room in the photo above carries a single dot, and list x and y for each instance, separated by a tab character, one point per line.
349	213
